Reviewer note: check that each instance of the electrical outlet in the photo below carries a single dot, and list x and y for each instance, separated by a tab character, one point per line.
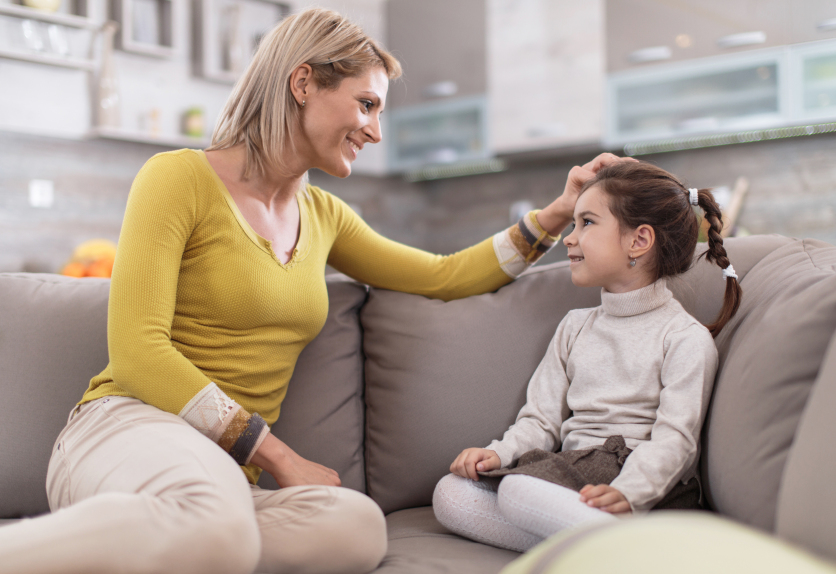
41	193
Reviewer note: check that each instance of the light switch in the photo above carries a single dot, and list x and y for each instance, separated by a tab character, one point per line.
41	193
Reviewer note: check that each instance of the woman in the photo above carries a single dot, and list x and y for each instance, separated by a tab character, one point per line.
218	286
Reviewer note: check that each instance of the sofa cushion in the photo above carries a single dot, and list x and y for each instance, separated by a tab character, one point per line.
770	354
806	511
418	543
322	414
441	377
53	339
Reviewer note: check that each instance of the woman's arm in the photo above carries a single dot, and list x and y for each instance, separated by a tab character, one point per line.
363	254
145	362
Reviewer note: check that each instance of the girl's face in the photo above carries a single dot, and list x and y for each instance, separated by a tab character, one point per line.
336	124
598	250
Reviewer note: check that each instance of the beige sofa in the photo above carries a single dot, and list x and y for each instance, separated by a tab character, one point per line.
396	385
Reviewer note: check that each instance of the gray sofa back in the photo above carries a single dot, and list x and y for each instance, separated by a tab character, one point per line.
396	384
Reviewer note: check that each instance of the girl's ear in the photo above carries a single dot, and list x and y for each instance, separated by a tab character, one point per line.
641	240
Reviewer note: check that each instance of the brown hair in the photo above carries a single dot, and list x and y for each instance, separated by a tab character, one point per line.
261	111
643	194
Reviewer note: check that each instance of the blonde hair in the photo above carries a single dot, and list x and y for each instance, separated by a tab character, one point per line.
261	111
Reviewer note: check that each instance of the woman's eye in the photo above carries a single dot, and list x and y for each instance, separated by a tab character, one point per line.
367	104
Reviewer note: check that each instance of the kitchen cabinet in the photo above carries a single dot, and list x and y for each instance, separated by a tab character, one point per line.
546	74
641	32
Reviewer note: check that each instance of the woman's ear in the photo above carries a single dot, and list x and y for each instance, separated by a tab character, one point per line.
301	83
641	240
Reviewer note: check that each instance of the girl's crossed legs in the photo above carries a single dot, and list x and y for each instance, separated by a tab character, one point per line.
520	514
135	489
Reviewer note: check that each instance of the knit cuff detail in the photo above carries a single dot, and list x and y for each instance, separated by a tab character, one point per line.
223	421
521	245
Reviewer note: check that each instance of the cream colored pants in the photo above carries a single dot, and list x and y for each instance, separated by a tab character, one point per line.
135	489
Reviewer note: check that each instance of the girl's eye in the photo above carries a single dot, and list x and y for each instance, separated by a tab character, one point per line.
572	228
586	222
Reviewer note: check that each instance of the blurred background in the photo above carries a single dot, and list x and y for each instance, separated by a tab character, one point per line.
500	98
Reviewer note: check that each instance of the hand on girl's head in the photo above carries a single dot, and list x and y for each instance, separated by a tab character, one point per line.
474	460
605	497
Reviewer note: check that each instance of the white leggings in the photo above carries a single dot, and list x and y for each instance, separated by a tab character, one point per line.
134	489
522	513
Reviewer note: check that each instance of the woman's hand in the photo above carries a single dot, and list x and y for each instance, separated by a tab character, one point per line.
290	469
472	460
606	498
559	213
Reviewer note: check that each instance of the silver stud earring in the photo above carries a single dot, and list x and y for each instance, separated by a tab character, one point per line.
303	103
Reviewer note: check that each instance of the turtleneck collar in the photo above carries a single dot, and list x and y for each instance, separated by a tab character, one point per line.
636	302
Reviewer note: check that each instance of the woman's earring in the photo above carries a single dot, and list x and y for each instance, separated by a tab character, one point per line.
633	262
303	103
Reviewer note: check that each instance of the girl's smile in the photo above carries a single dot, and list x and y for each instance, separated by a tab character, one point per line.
600	252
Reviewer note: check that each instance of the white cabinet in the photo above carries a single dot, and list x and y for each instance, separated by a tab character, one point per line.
727	98
546	73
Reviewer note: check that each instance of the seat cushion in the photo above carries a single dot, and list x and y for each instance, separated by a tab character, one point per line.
418	543
770	355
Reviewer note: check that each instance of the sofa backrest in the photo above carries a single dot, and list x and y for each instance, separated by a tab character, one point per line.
53	339
441	377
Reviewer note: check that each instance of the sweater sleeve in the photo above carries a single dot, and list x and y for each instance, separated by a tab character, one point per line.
538	422
144	360
688	372
368	257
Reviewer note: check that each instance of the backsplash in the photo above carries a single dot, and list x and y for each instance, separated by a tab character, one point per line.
792	192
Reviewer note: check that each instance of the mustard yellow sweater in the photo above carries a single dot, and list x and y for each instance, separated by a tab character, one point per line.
198	297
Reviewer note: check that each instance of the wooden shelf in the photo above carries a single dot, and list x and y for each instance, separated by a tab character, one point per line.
165	140
49	59
69	20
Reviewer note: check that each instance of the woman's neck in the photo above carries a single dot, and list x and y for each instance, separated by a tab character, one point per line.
273	187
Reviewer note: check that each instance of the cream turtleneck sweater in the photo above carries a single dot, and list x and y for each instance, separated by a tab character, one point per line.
638	366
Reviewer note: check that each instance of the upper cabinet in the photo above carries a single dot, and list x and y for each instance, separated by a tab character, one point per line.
494	77
546	74
641	32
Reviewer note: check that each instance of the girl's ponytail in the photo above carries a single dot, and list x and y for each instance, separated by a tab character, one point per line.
716	253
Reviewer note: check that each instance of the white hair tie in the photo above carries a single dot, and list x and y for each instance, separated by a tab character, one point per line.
729	272
694	194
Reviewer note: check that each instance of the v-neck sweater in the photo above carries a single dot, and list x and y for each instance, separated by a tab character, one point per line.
198	297
638	366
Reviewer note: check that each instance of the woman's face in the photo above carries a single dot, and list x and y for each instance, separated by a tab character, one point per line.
336	124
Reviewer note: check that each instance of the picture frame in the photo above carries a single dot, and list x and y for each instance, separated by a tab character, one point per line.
146	26
227	33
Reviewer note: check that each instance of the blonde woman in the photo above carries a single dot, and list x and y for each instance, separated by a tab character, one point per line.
218	286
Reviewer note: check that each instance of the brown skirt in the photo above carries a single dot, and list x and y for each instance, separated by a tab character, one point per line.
597	465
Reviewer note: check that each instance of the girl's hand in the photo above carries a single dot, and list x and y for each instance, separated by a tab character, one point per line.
472	460
290	469
558	214
606	498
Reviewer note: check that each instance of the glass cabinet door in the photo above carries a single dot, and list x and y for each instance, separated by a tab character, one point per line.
815	66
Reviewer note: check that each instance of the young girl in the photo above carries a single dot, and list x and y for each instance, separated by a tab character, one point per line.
623	389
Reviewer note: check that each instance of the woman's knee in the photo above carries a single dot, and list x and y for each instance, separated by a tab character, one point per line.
320	529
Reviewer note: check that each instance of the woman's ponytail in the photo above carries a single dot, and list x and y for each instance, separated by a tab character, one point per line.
716	253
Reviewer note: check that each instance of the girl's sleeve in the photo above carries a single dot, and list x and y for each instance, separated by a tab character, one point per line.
144	361
538	422
655	466
368	257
